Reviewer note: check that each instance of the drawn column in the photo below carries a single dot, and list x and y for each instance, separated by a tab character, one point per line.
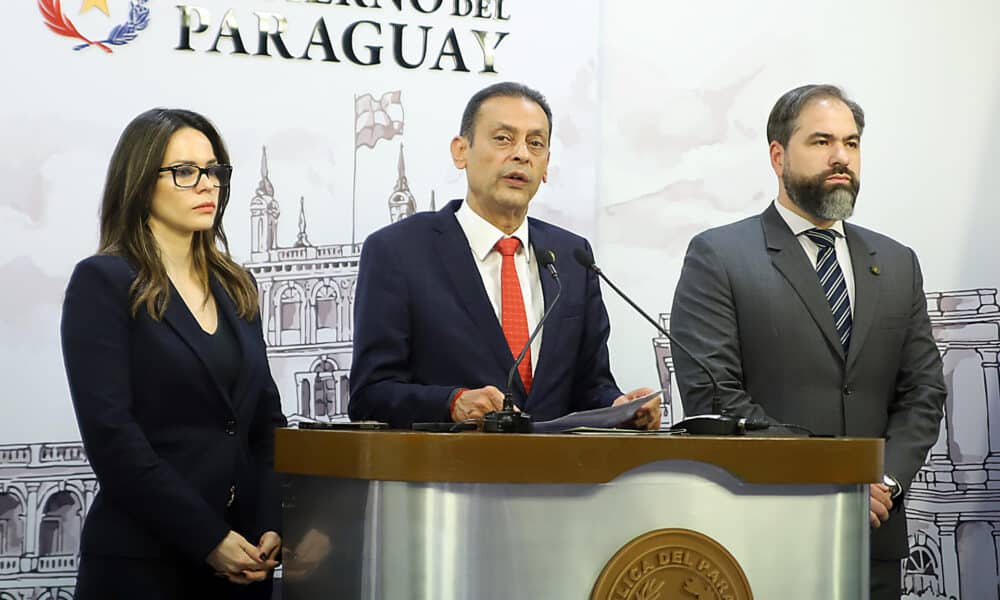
29	560
996	552
991	381
670	403
266	312
947	524
89	491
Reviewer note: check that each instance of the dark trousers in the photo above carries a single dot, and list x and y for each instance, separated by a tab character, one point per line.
113	578
885	580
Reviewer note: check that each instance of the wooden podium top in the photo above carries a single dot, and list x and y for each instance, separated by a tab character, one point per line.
551	458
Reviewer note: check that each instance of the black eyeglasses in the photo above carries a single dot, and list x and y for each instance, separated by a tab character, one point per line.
188	176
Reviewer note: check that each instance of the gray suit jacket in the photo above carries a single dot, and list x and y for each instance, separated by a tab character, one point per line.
750	305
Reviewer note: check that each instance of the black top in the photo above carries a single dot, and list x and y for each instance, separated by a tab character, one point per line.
222	352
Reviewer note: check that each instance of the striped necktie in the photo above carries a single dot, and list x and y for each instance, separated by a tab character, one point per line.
831	277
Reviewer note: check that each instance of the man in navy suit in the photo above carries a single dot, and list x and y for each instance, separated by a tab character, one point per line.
445	300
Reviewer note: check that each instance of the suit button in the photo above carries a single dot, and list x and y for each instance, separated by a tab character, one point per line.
231	427
848	390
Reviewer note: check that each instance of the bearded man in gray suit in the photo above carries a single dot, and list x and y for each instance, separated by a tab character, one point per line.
809	320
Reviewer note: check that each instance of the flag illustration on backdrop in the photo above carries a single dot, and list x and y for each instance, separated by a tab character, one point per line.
376	120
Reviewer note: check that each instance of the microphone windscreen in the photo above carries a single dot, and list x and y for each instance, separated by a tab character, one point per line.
585	258
546	258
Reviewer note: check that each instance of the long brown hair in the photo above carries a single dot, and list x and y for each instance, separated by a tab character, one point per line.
128	191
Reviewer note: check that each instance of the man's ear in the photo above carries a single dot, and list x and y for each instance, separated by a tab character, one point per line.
777	152
545	173
459	146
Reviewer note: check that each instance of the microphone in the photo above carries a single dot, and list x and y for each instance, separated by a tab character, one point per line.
714	424
507	420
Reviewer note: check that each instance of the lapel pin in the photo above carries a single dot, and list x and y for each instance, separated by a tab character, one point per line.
874	269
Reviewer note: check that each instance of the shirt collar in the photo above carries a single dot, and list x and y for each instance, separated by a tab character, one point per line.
483	235
800	225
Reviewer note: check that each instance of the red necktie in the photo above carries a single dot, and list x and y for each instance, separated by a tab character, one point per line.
513	318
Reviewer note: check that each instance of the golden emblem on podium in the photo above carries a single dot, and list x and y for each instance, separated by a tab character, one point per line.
672	564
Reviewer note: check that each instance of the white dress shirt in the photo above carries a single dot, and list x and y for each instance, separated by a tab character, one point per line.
483	236
799	225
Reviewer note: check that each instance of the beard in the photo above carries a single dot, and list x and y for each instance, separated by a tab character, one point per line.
821	200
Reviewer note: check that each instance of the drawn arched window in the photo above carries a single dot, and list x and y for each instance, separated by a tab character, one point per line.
324	365
289	316
11	526
53	594
921	572
59	531
326	314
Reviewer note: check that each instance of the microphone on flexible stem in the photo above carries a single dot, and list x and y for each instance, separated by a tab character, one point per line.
715	424
508	420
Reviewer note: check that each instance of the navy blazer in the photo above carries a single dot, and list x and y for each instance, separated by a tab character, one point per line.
165	439
424	326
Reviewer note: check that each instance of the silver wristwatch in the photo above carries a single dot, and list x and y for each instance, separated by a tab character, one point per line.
895	490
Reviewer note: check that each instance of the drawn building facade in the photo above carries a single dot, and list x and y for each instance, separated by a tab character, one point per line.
307	302
45	491
953	507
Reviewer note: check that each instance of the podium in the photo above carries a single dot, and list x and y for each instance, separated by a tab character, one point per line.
392	515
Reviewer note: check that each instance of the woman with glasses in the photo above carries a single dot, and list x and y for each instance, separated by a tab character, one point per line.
167	369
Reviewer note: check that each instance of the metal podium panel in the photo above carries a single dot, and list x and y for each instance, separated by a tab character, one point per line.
388	540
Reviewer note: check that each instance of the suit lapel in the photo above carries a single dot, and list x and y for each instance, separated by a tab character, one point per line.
789	258
180	319
453	255
866	290
540	241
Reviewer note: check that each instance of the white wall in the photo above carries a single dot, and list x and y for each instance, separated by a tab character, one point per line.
686	89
